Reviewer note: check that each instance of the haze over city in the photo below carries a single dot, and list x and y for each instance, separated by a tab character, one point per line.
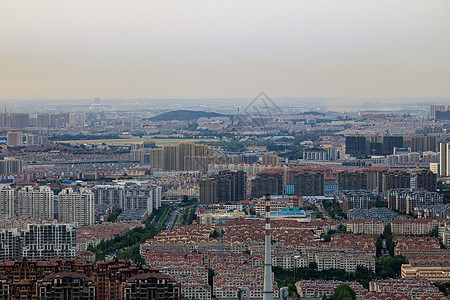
225	150
224	49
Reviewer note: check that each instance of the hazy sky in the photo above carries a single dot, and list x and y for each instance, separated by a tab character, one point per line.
231	48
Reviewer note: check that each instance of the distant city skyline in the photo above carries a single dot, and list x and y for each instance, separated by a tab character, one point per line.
224	49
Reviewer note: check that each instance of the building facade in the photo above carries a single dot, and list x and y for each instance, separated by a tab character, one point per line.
36	202
76	206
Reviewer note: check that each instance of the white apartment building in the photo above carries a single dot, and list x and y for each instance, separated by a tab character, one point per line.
76	206
111	195
36	202
142	197
6	200
47	241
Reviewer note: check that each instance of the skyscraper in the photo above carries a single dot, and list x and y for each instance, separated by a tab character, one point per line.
10	165
309	183
267	159
36	202
14	138
47	241
111	195
355	145
444	159
208	191
231	186
6	200
76	206
434	109
268	182
389	142
142	197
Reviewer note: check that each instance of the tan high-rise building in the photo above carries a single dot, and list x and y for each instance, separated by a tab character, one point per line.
179	157
36	202
157	158
76	206
270	160
14	138
31	139
444	159
170	157
10	165
208	191
137	155
6	200
423	143
434	109
190	150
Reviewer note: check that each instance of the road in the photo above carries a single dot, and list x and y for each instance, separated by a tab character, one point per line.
174	216
322	210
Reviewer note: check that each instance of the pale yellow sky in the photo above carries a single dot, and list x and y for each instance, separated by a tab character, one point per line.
233	48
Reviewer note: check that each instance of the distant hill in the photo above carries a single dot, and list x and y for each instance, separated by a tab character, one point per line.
185	115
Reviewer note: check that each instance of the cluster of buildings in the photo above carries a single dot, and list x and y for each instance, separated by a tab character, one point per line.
425	257
393	289
241	246
78	205
76	279
182	157
231	273
38	242
41	120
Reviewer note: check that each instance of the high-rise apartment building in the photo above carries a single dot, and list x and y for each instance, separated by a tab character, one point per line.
208	191
309	183
6	200
43	120
76	206
423	143
393	180
226	186
405	200
184	156
356	199
390	142
142	197
157	158
111	195
36	202
231	186
10	245
434	109
31	139
355	145
425	179
10	165
267	159
66	285
352	180
171	157
14	139
444	159
268	182
47	241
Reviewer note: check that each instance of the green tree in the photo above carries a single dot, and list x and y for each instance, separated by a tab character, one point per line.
343	292
214	234
389	267
379	246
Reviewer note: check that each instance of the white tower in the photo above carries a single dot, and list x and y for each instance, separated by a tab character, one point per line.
268	284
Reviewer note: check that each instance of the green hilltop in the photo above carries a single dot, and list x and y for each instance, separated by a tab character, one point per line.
185	115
